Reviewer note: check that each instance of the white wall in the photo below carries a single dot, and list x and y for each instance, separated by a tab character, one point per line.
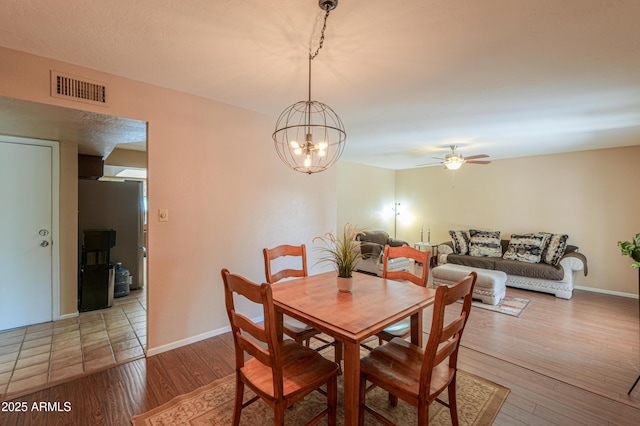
590	195
213	166
366	196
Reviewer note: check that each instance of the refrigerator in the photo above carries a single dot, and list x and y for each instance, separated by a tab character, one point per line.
116	206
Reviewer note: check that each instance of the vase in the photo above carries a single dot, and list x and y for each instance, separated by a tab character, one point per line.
345	284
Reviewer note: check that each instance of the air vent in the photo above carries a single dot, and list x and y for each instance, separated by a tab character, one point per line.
71	87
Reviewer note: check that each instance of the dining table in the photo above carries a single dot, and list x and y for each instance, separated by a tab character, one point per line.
373	304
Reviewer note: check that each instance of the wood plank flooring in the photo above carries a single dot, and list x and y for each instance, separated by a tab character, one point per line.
566	363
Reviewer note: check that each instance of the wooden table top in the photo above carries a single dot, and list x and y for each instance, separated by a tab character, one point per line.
373	304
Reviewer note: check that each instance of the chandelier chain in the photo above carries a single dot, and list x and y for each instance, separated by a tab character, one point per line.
324	27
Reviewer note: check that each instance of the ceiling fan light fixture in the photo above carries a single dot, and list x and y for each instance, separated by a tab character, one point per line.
310	121
454	164
453	161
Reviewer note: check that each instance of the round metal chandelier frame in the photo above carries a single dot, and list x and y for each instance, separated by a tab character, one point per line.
309	136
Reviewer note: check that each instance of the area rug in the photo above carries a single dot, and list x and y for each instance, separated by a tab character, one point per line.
513	306
479	402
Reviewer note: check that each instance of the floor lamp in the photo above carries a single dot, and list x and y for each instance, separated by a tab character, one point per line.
395	219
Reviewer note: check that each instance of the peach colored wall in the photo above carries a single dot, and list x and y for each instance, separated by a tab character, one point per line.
366	196
590	195
213	166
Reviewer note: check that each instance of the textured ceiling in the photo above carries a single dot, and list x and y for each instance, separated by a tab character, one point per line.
96	134
501	77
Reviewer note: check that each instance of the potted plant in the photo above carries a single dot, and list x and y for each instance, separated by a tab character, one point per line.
631	249
343	252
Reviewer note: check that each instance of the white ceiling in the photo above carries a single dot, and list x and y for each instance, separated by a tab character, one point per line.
408	78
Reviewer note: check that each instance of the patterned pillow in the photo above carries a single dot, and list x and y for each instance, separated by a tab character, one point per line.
555	249
484	243
460	241
526	247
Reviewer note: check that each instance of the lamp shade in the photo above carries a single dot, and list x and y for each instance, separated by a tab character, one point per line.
309	137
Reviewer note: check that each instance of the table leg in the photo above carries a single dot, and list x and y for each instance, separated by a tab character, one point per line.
279	325
351	376
416	329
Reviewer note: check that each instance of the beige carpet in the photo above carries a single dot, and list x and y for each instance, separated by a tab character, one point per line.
513	306
479	402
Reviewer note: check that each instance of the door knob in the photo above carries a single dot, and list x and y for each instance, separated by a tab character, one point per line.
44	243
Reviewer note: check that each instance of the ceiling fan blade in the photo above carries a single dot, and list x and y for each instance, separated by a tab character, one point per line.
478	162
438	158
472	157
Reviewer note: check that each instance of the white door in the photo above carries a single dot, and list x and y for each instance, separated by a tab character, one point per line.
25	234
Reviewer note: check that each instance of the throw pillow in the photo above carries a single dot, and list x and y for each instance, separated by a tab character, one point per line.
526	247
484	243
555	249
460	241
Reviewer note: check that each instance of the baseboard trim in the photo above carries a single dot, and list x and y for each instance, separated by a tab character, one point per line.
613	293
193	339
66	316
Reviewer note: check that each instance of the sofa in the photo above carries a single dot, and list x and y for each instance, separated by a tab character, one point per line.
542	261
372	245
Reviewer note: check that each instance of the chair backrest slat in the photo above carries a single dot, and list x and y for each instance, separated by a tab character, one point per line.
452	328
445	351
248	345
282	251
250	327
418	256
444	339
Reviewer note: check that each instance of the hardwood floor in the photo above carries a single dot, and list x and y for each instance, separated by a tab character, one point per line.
567	362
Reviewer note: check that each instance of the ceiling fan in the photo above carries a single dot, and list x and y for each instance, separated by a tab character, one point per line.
454	160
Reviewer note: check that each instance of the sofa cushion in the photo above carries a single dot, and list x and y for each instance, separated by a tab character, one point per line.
460	241
555	248
373	242
473	262
532	270
526	247
484	243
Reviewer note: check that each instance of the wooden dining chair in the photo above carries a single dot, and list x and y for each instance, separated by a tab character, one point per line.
281	251
285	371
297	330
418	375
402	328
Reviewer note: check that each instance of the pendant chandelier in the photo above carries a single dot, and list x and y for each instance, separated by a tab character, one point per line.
309	135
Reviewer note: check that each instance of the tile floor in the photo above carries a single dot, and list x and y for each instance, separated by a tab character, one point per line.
32	357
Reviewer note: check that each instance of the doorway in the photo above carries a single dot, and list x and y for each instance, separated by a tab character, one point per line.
29	227
71	344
